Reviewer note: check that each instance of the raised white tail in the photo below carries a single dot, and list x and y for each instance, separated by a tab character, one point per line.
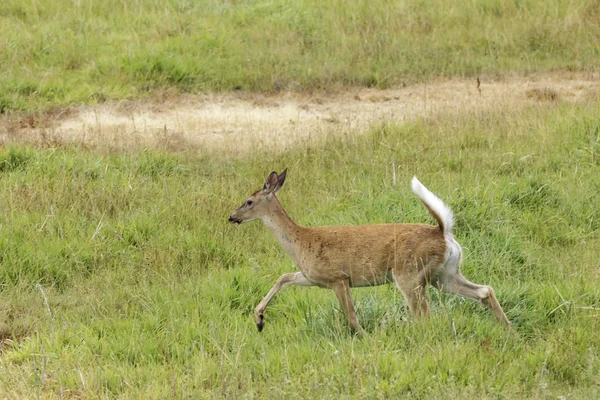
440	211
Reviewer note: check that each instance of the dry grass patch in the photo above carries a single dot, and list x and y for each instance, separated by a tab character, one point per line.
237	124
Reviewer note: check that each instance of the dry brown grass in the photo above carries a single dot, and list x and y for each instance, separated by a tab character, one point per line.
543	94
237	123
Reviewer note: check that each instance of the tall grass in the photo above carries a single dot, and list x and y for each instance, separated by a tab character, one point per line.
150	292
56	52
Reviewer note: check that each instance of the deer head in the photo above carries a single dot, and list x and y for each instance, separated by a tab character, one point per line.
259	203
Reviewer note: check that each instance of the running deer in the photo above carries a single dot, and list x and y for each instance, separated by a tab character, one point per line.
341	257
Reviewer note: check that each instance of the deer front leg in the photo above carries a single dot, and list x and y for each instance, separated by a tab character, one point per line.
293	278
342	291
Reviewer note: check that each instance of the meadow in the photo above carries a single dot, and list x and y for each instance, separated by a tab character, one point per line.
122	278
65	52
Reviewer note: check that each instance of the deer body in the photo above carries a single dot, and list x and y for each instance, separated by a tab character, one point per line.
340	257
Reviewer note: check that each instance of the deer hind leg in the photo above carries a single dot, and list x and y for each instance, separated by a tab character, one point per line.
450	280
342	292
290	279
412	281
413	291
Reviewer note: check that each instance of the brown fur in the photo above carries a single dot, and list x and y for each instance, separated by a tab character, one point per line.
366	254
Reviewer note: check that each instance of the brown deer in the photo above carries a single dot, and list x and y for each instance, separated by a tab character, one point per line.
341	257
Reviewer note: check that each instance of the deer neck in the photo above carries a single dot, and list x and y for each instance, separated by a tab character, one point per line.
286	231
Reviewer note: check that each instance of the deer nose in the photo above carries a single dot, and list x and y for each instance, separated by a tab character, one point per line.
231	218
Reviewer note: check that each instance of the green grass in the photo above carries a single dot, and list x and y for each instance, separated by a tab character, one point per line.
150	292
60	52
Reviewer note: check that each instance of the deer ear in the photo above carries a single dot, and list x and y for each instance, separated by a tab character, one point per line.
271	182
281	179
275	182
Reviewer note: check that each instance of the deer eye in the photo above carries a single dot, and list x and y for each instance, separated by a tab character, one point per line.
249	202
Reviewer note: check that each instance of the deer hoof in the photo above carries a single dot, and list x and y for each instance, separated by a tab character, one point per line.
261	323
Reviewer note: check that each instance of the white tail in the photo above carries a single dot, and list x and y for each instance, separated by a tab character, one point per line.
341	257
440	211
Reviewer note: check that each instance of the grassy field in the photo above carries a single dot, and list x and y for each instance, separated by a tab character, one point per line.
58	52
122	278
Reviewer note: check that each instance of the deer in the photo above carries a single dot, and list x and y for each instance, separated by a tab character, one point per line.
342	257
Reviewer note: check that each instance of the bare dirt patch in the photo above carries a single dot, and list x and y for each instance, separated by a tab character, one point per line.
238	123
